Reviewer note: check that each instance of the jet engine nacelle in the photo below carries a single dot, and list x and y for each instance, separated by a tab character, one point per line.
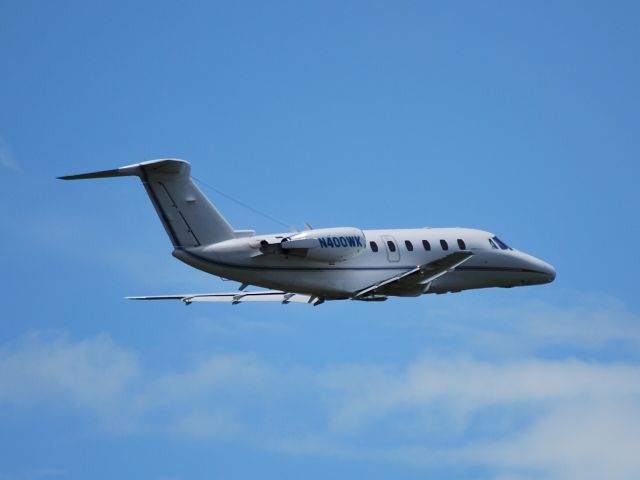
326	244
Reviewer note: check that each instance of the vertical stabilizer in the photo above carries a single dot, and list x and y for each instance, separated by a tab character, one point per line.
188	217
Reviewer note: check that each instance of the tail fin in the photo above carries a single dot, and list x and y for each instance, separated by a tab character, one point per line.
186	214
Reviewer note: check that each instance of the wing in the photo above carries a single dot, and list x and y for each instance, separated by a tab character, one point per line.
238	297
421	275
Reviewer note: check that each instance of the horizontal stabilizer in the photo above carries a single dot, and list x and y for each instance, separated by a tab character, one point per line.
117	172
167	166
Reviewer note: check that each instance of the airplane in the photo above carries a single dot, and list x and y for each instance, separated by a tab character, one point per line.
317	265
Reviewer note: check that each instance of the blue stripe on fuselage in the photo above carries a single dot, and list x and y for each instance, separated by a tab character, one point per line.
297	269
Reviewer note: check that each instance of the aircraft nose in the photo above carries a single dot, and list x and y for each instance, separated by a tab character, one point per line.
549	271
541	271
545	268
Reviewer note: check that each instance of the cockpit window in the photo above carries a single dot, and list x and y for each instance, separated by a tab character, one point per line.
502	245
493	244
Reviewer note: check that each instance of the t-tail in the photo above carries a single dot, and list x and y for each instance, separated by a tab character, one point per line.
187	215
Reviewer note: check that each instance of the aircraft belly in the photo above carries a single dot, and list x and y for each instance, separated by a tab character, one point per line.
332	283
468	280
292	275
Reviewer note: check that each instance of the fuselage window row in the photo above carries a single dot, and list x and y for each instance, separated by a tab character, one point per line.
425	243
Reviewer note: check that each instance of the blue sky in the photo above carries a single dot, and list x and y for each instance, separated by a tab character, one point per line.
516	118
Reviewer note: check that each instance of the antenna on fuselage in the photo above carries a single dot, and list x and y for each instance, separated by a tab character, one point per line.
239	202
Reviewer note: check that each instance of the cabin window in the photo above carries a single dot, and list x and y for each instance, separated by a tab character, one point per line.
444	245
392	246
374	246
426	245
409	245
461	244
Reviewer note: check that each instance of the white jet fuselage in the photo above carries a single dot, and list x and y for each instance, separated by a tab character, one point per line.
491	266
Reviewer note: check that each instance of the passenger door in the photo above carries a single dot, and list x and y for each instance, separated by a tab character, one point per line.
390	244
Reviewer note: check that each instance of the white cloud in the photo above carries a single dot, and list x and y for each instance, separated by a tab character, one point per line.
582	439
547	419
97	376
588	323
206	379
94	373
592	321
523	418
466	386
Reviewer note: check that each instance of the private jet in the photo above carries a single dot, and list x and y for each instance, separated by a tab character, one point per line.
316	265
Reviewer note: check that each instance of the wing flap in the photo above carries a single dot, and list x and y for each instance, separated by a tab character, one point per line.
422	274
